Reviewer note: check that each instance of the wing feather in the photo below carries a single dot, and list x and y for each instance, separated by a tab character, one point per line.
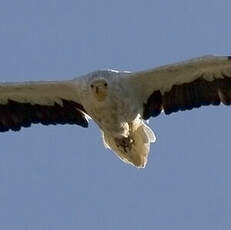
182	86
22	104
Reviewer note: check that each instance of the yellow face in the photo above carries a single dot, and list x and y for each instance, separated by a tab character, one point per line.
99	89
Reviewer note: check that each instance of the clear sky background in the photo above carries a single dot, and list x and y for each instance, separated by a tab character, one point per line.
62	177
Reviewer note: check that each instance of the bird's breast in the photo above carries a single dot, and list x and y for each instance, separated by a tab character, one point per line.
110	115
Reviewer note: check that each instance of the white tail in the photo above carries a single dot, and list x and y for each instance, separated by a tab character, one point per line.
133	149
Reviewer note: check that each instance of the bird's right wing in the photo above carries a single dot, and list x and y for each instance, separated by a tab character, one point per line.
22	104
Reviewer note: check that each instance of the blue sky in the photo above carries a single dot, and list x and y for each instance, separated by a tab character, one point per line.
61	177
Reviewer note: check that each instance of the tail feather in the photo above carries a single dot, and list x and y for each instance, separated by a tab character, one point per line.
133	149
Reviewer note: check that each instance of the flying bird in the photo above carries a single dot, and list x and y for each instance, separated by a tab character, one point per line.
119	102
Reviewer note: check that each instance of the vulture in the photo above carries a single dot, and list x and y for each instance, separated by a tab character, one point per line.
120	102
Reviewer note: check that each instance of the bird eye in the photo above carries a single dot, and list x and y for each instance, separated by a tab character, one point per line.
92	86
105	84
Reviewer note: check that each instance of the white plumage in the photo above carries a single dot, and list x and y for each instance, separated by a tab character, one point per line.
119	102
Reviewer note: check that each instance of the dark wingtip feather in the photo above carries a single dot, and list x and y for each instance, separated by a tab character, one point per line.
190	95
153	106
15	115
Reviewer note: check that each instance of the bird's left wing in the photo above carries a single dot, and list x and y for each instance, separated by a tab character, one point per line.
182	86
22	104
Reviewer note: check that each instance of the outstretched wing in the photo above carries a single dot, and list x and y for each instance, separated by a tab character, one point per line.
182	86
22	104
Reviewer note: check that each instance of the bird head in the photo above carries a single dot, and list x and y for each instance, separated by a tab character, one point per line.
99	88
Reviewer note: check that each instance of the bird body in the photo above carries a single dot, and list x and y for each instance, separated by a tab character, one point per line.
118	101
109	104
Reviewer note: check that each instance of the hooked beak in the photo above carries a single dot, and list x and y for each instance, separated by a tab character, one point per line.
97	89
